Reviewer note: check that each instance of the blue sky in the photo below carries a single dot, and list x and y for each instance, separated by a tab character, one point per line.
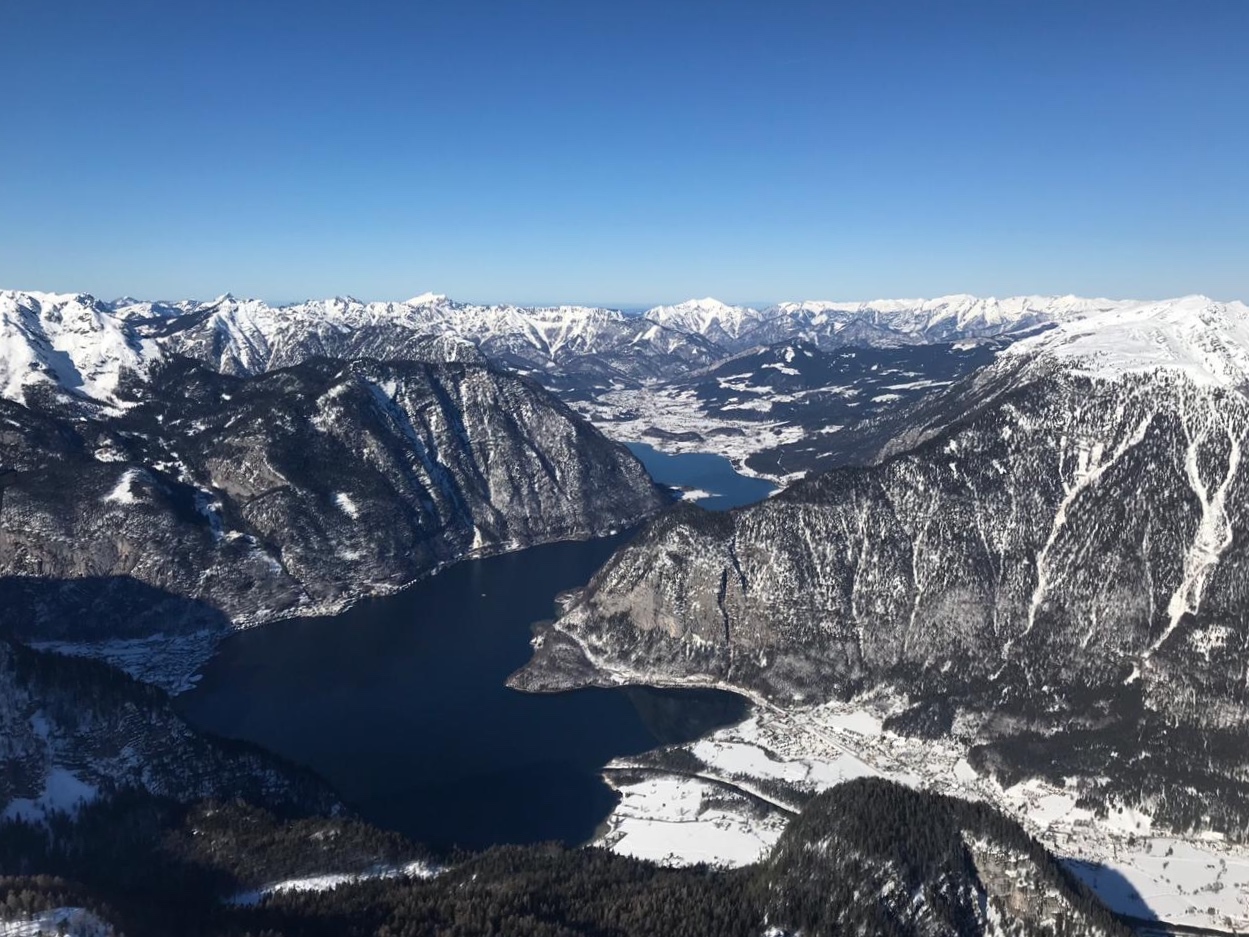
625	153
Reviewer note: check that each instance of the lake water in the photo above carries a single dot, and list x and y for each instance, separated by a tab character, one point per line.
704	471
400	702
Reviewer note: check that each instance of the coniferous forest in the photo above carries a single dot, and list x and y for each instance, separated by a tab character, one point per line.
866	857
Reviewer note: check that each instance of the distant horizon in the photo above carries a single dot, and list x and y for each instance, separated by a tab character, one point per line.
628	308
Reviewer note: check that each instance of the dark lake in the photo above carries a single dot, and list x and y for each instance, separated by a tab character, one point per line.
400	702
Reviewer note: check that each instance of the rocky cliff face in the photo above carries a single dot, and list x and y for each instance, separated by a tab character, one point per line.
1059	544
293	491
1070	525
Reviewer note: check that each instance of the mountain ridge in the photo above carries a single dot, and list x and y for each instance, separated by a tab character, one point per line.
569	342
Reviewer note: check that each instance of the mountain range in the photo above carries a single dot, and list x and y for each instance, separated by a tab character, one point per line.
669	376
1050	551
1022	523
83	346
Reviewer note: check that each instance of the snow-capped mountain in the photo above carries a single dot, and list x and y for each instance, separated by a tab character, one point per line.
882	321
898	321
717	321
1206	340
965	315
250	337
1057	536
67	343
84	347
556	343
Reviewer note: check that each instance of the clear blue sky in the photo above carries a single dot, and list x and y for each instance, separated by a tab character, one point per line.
626	152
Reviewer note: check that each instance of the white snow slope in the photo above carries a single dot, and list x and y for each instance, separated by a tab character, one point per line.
1206	340
70	341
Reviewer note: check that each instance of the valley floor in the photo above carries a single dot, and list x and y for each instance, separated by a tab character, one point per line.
676	421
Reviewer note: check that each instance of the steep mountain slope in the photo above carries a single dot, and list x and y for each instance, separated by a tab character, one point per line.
1056	545
72	730
294	491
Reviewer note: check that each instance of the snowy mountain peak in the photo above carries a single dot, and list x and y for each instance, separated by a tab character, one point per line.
709	302
1204	339
427	299
708	317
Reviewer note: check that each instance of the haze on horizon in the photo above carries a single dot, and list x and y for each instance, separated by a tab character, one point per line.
625	154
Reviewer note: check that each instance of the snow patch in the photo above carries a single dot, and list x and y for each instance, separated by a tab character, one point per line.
695	494
71	922
674	821
346	505
783	369
62	791
330	880
1214	534
123	491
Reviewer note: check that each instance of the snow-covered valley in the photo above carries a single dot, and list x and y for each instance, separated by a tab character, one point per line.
738	787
